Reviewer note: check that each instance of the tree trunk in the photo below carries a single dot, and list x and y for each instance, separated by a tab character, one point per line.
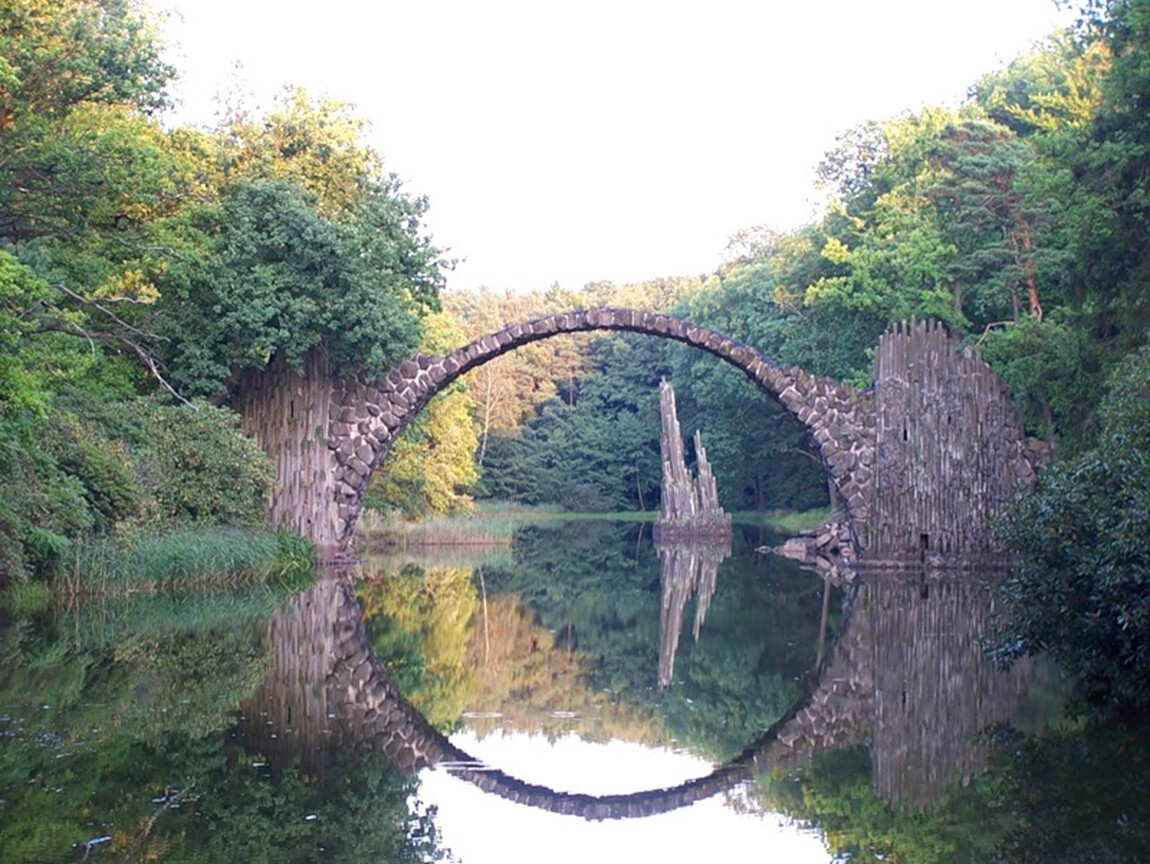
1031	277
287	414
486	423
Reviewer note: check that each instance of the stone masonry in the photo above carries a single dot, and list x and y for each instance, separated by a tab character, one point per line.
366	416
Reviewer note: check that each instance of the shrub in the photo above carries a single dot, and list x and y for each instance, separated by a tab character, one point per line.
1081	590
199	468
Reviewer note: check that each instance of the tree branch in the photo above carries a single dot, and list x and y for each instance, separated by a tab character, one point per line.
124	338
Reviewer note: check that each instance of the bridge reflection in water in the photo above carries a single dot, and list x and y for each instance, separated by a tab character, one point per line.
907	676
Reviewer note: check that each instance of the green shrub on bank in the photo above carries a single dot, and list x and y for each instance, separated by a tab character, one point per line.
92	466
1081	590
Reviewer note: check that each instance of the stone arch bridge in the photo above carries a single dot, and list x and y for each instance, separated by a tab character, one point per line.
937	423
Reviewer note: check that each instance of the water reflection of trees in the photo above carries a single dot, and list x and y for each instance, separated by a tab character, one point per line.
914	641
599	588
117	741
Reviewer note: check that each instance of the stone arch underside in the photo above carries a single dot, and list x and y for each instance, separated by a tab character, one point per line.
366	416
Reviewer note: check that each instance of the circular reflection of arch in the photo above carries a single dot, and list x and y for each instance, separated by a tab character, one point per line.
329	687
367	415
907	676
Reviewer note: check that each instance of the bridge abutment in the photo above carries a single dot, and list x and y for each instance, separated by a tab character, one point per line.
289	413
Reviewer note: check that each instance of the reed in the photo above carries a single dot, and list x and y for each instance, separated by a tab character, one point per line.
388	531
25	598
185	558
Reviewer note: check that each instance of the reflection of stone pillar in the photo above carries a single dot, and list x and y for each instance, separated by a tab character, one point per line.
287	718
908	674
686	570
327	690
935	688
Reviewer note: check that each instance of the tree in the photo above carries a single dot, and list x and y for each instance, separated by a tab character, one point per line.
278	277
66	71
432	466
1081	590
600	450
507	390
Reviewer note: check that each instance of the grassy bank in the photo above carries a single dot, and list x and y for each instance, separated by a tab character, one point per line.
379	531
185	559
493	524
784	521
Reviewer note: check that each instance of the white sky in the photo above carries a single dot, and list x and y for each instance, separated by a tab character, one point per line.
481	828
602	139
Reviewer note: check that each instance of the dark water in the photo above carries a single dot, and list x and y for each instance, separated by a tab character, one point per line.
625	702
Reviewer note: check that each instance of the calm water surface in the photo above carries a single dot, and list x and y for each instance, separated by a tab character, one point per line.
588	696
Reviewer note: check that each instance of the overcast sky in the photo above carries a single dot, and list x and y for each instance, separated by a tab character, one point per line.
573	142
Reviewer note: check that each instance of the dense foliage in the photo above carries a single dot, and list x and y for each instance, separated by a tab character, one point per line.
141	266
1082	589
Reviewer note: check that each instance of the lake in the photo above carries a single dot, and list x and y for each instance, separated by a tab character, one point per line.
583	694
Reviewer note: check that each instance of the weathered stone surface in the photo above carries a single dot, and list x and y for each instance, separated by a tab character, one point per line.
383	408
839	420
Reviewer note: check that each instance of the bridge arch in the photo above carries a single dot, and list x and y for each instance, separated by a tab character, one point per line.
367	415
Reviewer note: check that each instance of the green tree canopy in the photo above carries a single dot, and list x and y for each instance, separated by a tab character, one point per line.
277	276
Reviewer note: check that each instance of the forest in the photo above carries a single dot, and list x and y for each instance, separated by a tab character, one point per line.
146	269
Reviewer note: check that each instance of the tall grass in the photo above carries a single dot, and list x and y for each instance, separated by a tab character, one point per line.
185	558
389	531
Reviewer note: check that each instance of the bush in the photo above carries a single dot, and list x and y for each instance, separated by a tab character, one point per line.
199	468
90	467
1081	590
